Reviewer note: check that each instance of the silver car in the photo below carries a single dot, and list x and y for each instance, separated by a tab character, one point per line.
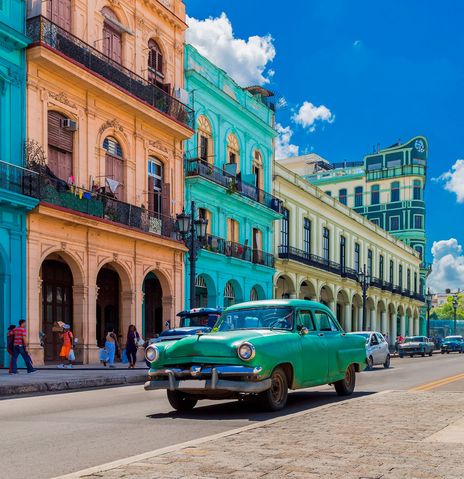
377	351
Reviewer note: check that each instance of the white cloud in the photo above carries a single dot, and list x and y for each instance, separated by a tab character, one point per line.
454	180
447	267
309	114
283	147
244	60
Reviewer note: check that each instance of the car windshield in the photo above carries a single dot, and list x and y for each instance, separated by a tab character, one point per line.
199	320
458	339
414	339
256	318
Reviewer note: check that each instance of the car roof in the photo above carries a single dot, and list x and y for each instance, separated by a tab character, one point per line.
294	303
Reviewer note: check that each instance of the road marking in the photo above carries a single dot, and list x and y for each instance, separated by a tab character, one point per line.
437	383
176	447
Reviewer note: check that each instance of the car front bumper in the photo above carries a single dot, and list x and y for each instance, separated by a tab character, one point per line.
451	348
210	379
411	351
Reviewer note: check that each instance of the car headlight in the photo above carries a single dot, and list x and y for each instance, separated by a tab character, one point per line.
152	354
246	351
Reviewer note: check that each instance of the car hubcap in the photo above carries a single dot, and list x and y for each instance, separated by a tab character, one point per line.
277	388
348	377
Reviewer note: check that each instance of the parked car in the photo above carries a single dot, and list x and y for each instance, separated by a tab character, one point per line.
416	345
377	352
259	348
452	344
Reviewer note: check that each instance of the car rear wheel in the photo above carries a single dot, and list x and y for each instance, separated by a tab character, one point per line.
443	352
345	386
386	364
423	354
181	401
430	354
275	398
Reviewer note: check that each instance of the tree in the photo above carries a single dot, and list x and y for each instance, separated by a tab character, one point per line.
446	310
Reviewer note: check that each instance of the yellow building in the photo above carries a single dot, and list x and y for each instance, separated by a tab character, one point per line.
321	247
105	135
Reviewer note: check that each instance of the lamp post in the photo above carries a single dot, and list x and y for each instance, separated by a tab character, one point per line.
365	280
428	303
193	234
455	307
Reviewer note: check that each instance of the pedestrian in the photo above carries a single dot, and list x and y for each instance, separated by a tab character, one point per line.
385	335
111	345
20	348
10	345
67	351
132	343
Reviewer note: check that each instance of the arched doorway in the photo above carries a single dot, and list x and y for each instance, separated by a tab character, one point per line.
153	306
326	296
108	303
257	293
57	302
201	292
229	295
344	312
307	291
284	287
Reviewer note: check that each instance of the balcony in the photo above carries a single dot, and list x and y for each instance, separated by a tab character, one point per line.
405	170
238	251
51	190
198	167
43	32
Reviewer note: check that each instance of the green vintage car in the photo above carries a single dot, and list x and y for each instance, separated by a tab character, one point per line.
259	348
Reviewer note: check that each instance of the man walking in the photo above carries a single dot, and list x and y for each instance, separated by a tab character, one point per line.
20	348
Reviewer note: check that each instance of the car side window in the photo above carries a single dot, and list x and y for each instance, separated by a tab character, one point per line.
324	322
306	320
380	338
374	339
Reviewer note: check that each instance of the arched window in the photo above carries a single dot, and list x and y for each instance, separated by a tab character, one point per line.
205	140
229	295
342	196
155	61
254	294
60	146
201	292
114	171
395	191
233	153
358	196
155	185
417	190
112	35
258	170
59	12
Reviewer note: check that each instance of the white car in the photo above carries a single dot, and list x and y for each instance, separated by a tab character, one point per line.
377	352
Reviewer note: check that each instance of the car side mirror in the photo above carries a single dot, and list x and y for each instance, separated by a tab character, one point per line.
303	330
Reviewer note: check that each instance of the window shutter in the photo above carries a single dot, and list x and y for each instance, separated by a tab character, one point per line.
151	193
166	199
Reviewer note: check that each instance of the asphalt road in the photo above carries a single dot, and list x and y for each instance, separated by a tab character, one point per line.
46	436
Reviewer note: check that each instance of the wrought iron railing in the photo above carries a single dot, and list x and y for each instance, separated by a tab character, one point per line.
233	184
404	170
239	251
57	192
42	31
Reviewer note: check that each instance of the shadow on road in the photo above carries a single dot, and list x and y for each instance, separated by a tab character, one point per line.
250	409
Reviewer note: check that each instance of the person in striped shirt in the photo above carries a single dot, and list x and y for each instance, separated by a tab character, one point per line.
20	348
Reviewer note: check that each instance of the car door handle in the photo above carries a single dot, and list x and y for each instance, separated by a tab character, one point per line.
342	334
321	334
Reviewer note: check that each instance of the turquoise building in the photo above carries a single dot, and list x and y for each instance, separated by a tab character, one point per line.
13	179
228	173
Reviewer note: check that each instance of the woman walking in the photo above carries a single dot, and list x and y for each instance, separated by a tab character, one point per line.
67	346
111	344
132	342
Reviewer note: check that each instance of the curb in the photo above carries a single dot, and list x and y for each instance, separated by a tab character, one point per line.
176	447
70	385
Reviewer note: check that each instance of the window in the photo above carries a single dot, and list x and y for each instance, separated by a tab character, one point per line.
390	274
342	253
324	322
375	194
284	224
415	282
205	140
232	230
254	294
381	267
325	244
204	214
418	248
417	190
374	166
328	193
358	196
394	223
418	223
408	280
258	170
375	221
155	185
229	295
112	35
306	320
369	262
60	147
400	276
114	171
357	259
155	61
342	196
307	236
395	191
233	152
257	246
59	12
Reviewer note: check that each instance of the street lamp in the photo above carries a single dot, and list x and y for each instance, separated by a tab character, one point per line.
428	303
365	280
193	234
455	307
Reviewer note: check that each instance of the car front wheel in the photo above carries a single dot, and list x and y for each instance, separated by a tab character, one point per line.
345	386
275	398
181	401
386	364
370	363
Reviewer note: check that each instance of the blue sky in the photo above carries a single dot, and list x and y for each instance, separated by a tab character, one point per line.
383	71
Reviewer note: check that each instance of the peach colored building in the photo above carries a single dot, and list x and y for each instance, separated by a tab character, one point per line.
105	135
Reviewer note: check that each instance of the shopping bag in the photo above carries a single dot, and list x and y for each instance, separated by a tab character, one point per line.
71	356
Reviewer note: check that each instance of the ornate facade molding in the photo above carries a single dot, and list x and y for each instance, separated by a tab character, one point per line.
61	97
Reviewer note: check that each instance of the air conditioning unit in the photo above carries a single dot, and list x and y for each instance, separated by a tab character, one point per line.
69	125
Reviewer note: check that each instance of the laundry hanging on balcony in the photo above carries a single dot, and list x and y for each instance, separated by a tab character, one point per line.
112	185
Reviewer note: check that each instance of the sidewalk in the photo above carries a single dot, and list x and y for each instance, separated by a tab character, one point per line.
392	435
52	379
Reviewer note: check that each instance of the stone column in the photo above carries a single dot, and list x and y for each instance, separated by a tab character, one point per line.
127	315
360	318
168	310
416	326
383	322
81	323
347	318
411	326
393	331
333	307
403	325
373	314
